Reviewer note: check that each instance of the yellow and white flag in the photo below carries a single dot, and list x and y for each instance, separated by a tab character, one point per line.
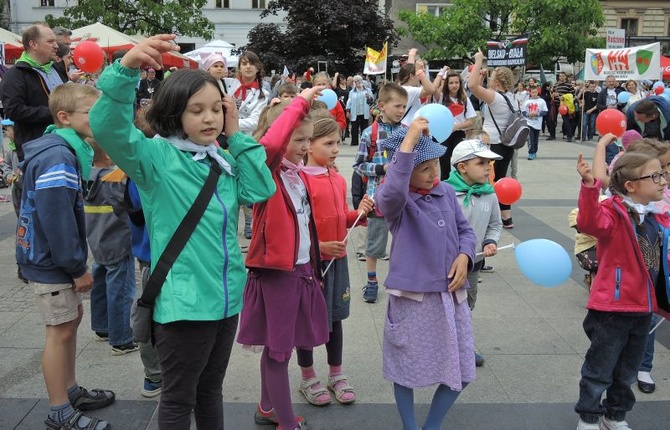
375	62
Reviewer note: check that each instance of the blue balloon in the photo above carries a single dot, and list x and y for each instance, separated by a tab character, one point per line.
623	97
666	94
440	120
544	262
329	97
658	84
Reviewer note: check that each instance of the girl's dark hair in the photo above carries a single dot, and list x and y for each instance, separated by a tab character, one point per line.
460	95
256	61
171	98
406	72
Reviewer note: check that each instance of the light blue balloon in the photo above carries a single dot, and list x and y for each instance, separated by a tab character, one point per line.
544	262
623	97
658	84
666	94
329	97
440	120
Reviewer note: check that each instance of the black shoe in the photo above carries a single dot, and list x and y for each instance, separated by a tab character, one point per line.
125	349
646	387
551	138
479	360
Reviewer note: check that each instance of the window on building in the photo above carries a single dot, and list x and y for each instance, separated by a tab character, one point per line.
433	8
47	3
222	4
258	4
630	25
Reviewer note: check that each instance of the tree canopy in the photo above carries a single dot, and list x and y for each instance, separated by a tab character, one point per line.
555	28
183	17
335	32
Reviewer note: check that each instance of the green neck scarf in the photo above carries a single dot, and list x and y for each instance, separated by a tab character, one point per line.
459	185
82	150
46	68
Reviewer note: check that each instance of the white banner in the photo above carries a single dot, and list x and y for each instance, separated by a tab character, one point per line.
639	62
616	38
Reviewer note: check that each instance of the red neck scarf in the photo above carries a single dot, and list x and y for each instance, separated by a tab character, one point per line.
241	92
423	191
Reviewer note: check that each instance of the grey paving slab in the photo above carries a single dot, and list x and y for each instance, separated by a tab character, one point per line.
531	337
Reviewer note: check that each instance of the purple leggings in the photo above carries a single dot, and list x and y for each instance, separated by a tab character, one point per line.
276	391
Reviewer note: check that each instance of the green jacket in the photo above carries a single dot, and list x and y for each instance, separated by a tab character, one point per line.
207	279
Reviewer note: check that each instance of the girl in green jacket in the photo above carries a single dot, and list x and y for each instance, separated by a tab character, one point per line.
196	312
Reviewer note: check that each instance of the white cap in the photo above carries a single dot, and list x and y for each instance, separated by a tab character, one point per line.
472	148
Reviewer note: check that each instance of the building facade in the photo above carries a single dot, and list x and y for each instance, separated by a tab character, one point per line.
232	18
644	21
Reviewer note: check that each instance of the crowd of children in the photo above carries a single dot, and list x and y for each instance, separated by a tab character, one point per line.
126	192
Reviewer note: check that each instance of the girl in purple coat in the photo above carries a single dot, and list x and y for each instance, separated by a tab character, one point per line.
428	337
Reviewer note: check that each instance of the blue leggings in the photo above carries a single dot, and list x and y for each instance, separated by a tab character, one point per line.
443	399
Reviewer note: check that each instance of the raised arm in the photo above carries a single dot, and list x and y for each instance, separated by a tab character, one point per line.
476	80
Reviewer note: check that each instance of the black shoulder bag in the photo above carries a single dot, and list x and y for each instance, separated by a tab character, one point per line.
141	315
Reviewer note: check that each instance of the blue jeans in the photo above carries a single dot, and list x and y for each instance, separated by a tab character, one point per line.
589	125
111	298
611	363
647	360
533	138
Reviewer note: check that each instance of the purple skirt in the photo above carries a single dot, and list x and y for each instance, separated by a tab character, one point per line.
428	342
283	310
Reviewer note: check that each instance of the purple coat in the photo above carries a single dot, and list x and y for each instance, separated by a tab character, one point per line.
428	231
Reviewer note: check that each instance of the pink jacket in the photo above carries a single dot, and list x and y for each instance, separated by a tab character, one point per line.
622	283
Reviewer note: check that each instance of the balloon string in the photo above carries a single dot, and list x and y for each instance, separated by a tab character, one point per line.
511	245
360	214
656	326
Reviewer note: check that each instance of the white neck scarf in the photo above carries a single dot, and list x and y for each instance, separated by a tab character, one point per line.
640	209
201	151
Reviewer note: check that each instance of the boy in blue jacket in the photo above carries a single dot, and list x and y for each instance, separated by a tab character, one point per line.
51	250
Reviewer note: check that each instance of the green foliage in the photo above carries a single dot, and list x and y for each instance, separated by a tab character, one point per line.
556	28
335	32
145	17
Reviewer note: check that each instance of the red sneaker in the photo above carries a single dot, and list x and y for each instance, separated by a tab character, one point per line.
263	418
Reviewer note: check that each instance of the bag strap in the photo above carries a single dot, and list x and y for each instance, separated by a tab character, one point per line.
494	120
509	104
180	237
373	140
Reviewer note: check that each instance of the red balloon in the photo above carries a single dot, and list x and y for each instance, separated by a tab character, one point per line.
611	121
88	56
659	90
508	190
563	110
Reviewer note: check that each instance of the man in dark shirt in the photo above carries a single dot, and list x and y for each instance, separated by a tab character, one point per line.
562	87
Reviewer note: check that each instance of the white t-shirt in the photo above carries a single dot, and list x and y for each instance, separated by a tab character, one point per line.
501	112
521	98
413	104
298	192
467	114
535	106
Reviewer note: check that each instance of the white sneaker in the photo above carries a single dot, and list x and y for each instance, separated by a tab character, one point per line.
581	425
607	424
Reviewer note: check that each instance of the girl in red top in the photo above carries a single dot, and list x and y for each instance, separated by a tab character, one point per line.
283	304
328	192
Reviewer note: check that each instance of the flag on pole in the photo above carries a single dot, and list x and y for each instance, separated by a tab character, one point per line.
286	72
375	62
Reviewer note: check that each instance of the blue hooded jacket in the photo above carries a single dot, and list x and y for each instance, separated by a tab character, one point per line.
51	235
663	106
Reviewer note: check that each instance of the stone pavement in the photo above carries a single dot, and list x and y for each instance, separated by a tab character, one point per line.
531	337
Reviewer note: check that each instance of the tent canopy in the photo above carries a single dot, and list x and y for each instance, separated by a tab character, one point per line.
13	45
111	40
220	47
